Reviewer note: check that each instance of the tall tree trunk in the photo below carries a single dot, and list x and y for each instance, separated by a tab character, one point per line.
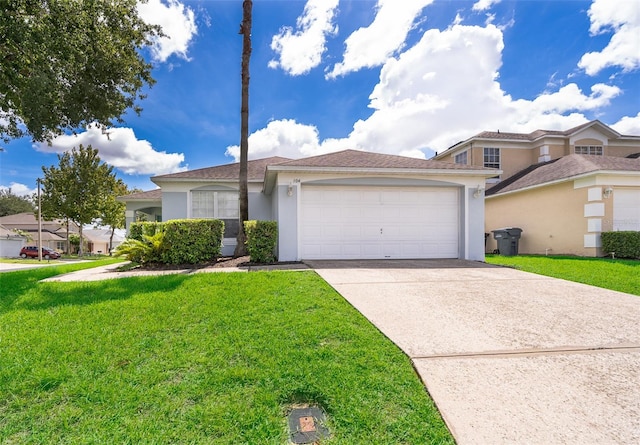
245	30
113	229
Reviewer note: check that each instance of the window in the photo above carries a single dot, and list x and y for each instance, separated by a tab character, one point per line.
491	157
210	204
461	158
588	150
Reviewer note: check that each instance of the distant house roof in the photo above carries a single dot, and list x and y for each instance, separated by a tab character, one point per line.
567	167
8	233
101	235
224	173
29	222
538	134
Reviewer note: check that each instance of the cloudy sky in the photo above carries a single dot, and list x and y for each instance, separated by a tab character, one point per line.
408	77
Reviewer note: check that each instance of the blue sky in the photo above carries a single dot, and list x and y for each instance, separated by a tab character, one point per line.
406	77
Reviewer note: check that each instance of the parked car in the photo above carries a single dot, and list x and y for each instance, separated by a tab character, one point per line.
32	252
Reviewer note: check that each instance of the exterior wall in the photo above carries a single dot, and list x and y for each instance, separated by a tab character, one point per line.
553	219
174	205
287	216
472	222
621	151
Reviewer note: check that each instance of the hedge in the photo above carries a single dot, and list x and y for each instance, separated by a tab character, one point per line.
192	241
183	241
261	240
623	244
137	230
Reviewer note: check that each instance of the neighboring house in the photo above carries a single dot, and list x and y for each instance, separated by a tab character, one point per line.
563	188
10	243
346	205
54	232
97	240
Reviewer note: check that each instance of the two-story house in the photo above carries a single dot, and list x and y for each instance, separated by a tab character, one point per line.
563	188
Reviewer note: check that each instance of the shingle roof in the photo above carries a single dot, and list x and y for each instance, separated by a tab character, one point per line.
368	160
150	195
227	172
568	167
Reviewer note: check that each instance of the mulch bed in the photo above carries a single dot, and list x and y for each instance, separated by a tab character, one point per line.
243	261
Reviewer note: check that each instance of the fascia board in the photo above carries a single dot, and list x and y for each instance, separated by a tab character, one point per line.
389	171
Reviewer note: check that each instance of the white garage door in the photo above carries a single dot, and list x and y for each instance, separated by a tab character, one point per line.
379	222
626	209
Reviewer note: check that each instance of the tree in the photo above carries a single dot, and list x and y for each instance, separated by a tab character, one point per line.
245	30
112	213
11	204
66	64
77	189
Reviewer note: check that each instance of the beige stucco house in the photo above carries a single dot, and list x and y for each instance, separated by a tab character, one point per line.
562	188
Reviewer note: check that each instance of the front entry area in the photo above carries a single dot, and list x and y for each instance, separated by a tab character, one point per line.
356	222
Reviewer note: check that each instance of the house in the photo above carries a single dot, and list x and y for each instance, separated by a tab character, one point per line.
10	243
97	240
346	205
563	188
53	234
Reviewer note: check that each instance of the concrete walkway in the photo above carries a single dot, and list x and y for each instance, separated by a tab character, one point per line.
509	357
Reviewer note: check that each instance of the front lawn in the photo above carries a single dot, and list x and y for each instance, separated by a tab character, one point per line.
205	358
620	275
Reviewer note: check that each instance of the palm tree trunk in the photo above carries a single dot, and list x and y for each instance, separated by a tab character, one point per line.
245	30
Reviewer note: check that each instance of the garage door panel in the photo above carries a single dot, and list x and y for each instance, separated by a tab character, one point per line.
378	222
626	209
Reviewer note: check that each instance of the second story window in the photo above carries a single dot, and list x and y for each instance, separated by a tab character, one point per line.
461	158
588	150
491	157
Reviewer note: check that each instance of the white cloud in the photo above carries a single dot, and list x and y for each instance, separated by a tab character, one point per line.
286	138
373	45
623	50
120	147
302	50
483	5
442	90
629	125
178	24
19	189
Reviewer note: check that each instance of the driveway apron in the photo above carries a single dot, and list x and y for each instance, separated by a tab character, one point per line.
508	356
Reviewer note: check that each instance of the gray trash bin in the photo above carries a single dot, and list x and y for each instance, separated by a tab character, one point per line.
507	239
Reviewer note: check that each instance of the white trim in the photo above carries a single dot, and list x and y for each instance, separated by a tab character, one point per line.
595	194
594	209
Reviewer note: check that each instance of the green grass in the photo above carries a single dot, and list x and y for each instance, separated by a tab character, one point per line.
620	275
207	358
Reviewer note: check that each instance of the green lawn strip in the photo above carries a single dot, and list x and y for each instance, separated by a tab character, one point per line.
619	275
207	358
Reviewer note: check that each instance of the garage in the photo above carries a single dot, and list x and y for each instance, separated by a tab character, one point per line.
351	222
626	209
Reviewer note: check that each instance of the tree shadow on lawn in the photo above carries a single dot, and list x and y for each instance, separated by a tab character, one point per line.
26	293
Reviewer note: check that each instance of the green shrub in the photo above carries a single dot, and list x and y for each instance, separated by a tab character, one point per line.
181	241
192	241
261	240
139	229
147	250
623	244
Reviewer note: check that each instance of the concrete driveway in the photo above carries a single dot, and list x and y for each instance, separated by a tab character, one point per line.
508	356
